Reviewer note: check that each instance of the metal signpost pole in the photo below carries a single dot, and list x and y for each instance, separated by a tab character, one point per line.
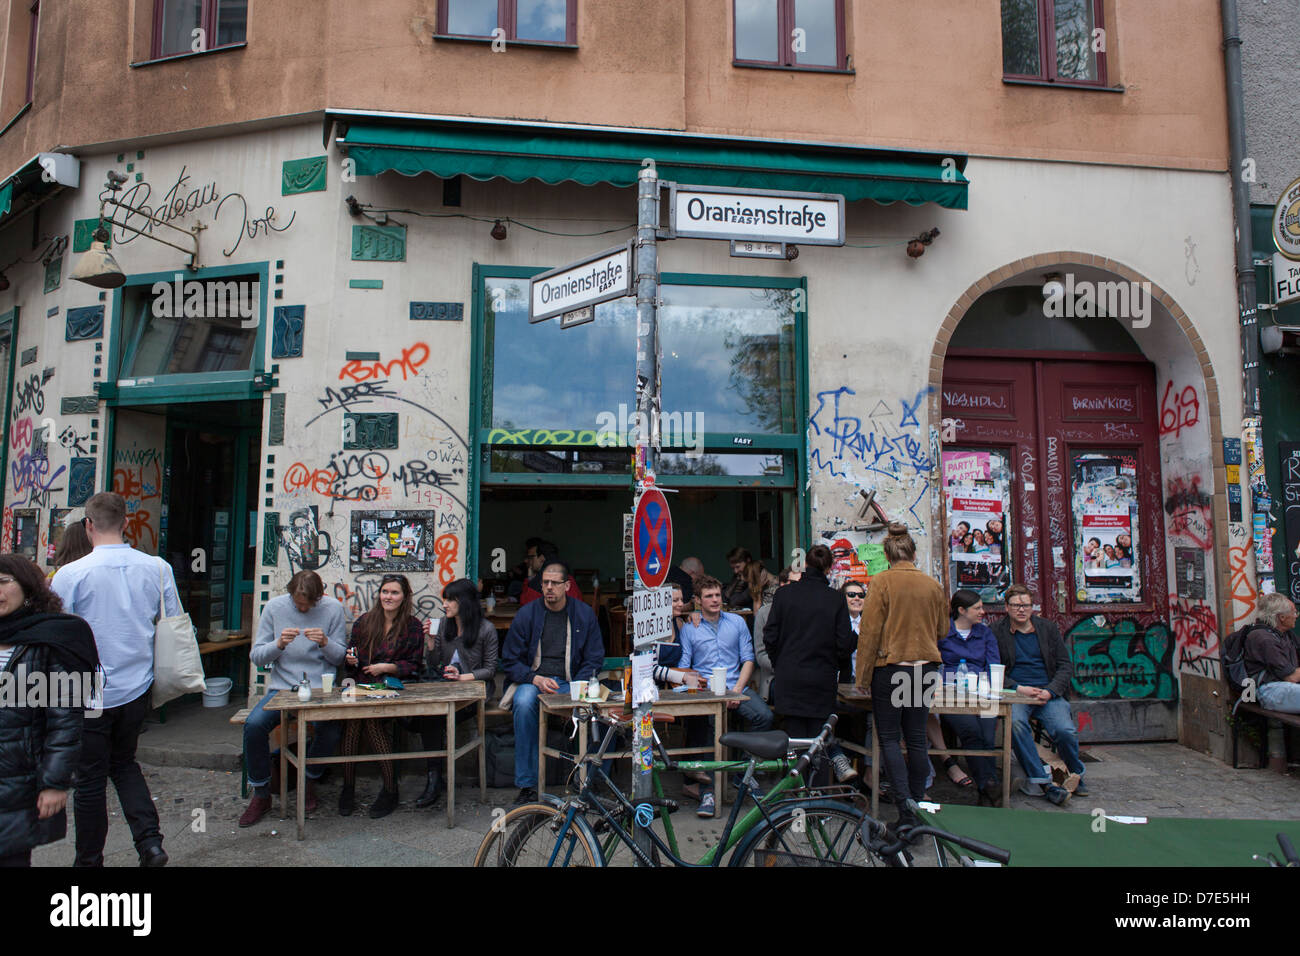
647	405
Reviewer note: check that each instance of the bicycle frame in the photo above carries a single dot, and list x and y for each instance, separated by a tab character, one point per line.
732	833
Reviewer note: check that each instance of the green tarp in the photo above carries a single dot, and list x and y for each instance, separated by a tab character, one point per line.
586	157
1047	838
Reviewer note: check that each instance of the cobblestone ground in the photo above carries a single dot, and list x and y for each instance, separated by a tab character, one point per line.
1133	779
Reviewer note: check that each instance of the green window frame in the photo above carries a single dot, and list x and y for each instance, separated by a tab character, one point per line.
791	445
231	385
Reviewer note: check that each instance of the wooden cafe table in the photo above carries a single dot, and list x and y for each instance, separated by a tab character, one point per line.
946	702
437	699
699	703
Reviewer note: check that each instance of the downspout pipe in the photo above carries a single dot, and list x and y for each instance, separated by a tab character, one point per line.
1246	295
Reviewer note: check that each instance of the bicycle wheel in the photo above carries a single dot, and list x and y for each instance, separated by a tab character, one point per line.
818	833
529	836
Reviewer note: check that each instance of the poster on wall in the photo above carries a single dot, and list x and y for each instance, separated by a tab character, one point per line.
1105	509
393	540
853	557
977	492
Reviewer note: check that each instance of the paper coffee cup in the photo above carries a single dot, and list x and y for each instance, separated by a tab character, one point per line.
327	682
996	675
577	689
718	681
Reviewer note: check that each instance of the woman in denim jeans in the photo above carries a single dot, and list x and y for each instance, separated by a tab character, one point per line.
898	646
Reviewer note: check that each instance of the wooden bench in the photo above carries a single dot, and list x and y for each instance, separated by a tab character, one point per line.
1262	715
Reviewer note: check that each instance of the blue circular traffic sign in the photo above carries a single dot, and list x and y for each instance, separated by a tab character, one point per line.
652	538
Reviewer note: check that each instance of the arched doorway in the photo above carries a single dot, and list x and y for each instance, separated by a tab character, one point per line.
1073	438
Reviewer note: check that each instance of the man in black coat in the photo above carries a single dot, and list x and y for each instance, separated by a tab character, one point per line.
807	635
1038	665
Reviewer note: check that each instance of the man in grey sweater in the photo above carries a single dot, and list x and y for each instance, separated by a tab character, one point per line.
300	632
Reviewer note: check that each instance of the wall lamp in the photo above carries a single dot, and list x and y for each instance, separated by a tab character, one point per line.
97	266
916	248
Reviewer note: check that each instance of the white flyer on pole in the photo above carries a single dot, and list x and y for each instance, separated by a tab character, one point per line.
644	689
652	616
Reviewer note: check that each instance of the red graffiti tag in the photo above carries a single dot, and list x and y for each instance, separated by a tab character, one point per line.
409	364
1243	593
1196	637
446	549
21	436
1183	413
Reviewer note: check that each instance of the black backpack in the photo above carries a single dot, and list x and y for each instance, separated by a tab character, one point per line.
1234	657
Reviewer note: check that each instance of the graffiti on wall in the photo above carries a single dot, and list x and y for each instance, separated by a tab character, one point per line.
1241	587
1122	659
1196	637
305	545
1189	512
1179	409
137	477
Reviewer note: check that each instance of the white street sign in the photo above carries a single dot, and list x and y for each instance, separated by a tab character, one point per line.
604	276
652	616
717	212
1286	279
749	249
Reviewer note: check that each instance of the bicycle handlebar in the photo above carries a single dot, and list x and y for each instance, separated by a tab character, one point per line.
818	745
912	834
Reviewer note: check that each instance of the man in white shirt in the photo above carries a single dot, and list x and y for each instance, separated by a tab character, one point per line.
117	590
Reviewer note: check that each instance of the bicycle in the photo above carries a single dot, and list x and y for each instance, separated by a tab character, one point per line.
558	831
1288	854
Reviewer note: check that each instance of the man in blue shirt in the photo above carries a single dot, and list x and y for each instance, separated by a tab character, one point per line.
118	590
1038	665
721	640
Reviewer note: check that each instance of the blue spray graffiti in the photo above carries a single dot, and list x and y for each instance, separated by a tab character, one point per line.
893	457
29	475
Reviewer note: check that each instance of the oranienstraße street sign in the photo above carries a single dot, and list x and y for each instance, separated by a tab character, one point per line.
724	212
599	278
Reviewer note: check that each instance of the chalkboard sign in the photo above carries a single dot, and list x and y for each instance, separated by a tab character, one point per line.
1289	452
393	540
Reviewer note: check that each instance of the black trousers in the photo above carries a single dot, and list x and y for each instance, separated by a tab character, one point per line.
16	859
108	745
894	722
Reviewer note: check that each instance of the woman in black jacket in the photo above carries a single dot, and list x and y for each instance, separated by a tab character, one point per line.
47	667
462	646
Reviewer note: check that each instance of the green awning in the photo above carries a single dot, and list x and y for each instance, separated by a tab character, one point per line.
588	156
6	197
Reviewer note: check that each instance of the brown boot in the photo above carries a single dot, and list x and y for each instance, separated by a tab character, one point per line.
258	807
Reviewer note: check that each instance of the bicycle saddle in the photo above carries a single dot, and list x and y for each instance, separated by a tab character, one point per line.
765	745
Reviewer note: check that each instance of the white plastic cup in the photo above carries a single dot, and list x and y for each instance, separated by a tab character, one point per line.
577	689
997	672
984	686
718	681
327	682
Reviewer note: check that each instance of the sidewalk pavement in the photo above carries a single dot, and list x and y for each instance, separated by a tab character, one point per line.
192	766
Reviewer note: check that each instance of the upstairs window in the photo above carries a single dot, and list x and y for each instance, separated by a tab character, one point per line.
792	34
1057	41
218	22
526	21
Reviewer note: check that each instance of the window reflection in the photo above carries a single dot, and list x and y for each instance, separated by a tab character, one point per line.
1075	59
817	19
542	20
728	362
756	37
1020	38
471	17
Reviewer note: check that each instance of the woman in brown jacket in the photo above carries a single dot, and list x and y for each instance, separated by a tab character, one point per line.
898	645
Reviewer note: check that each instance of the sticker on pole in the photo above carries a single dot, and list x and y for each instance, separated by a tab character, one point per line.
652	616
652	538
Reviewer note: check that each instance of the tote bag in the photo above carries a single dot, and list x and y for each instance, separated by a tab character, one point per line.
177	666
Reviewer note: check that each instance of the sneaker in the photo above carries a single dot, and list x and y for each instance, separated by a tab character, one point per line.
1081	788
1058	795
1030	789
844	771
258	807
707	807
526	795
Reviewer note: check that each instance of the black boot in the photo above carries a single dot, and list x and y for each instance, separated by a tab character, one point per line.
347	800
384	804
432	790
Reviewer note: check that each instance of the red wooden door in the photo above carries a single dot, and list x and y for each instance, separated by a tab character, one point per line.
1071	448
